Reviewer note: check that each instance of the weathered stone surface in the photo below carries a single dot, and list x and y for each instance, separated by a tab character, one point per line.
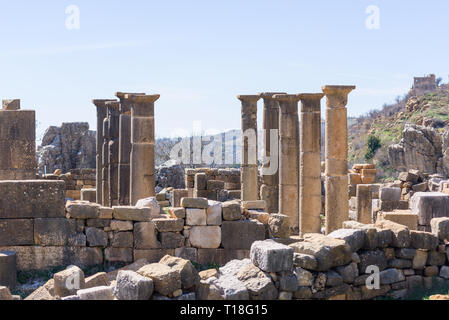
152	255
390	194
189	275
117	225
206	237
196	217
169	225
190	254
232	211
214	213
177	213
122	240
401	234
8	269
40	294
82	210
241	234
419	260
230	288
118	254
132	213
96	237
348	272
5	294
440	228
288	282
279	225
400	263
16	232
405	253
329	252
54	232
97	293
97	280
171	240
353	237
69	281
132	286
233	267
305	261
271	256
150	203
436	258
139	263
368	294
369	258
389	276
404	217
429	205
32	199
206	274
105	213
166	280
258	283
423	240
444	272
199	203
145	236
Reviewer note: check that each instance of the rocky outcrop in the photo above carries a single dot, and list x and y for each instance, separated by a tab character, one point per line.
170	175
71	146
421	148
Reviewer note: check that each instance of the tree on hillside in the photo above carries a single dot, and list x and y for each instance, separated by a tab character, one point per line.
373	146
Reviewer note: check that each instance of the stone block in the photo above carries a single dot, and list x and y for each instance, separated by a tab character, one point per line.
189	276
118	254
419	260
390	276
145	236
89	195
305	261
258	283
369	258
201	181
32	199
423	240
166	280
122	240
16	232
404	217
255	205
353	237
187	253
440	228
11	104
394	205
271	256
132	286
171	240
118	225
214	213
429	205
205	237
214	185
401	234
232	211
82	210
241	234
132	213
96	237
177	213
199	203
196	217
169	225
390	194
98	293
69	281
8	269
152	255
97	280
55	232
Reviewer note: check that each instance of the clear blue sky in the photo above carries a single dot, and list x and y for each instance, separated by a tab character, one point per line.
199	55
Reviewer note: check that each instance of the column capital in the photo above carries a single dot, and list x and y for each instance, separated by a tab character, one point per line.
286	97
337	90
142	98
121	95
310	96
101	103
113	104
249	97
269	95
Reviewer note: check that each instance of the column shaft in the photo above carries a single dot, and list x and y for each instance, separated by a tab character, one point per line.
105	167
113	150
310	164
249	167
364	203
289	159
142	153
336	183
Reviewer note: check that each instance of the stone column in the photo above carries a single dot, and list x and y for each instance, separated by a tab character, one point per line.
113	150
101	115
105	167
310	163
249	167
364	203
336	184
269	190
142	153
124	171
289	159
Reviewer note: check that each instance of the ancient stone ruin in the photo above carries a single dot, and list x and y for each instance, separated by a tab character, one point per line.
287	226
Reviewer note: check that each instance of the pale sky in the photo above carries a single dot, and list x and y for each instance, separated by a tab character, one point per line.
199	55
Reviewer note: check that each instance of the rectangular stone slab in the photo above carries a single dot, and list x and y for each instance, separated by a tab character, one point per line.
32	199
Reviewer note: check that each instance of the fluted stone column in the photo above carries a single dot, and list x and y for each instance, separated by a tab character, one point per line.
336	184
310	163
289	159
124	171
105	167
269	190
100	104
142	153
249	167
113	150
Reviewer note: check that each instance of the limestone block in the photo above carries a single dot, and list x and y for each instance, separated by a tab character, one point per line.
5	294
187	253
96	237
279	225
199	203
353	237
145	236
169	225
189	275
369	258
393	205
177	195
151	255
196	217
97	280
206	237
171	240
390	194
177	213
150	203
122	240
305	261
329	252
348	272
69	281
214	213
89	195
54	231
440	228
132	286
8	269
11	104
118	254
401	234
423	240
97	293
271	256
166	280
230	288
255	205
132	213
408	177
436	258
118	225
214	185
258	283
16	232
82	210
32	199
404	217
420	259
429	205
241	234
232	211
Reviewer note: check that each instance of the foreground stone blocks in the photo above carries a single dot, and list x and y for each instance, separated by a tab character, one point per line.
440	228
98	293
165	279
32	199
271	256
429	205
132	286
69	281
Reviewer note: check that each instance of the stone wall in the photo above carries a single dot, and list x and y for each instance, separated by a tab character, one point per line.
75	181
